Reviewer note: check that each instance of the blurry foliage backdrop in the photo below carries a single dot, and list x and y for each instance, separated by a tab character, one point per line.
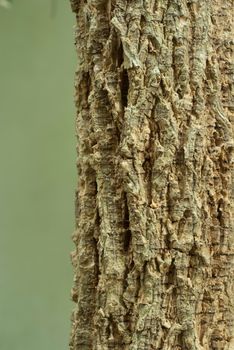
37	155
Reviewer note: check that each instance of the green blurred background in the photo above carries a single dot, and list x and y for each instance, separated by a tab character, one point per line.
38	175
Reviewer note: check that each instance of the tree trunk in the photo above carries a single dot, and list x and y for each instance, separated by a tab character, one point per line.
153	260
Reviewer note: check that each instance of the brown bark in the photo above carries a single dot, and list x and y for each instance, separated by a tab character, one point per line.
154	243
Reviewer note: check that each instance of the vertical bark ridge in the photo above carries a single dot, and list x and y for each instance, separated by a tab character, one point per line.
154	242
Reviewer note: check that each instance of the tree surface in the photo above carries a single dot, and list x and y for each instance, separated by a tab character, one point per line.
153	261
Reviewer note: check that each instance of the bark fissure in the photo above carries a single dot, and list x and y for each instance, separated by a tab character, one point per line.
127	234
124	85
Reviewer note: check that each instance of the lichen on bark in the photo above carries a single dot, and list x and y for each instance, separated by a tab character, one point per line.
153	262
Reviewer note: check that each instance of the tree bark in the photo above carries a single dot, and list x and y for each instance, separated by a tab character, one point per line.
154	238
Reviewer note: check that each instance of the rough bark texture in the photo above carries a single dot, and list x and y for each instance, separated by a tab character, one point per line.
153	260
